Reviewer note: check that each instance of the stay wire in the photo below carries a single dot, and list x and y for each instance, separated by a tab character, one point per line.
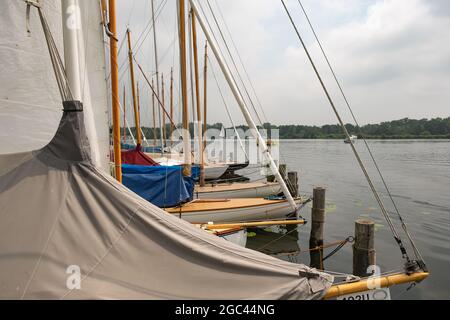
358	158
416	251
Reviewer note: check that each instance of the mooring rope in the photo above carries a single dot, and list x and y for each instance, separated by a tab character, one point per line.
409	264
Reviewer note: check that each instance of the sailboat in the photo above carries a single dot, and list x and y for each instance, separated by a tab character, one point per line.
203	211
80	234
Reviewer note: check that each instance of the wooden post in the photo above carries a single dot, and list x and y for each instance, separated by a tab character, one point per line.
363	248
283	170
292	183
317	222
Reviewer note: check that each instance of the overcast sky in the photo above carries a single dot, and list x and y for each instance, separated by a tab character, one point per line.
392	57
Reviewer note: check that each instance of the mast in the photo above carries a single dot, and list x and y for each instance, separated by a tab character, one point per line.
205	96
157	73
124	115
133	91
197	98
115	89
154	116
172	126
184	93
163	100
138	97
71	25
253	128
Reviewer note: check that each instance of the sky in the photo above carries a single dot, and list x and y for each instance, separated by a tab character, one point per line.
392	58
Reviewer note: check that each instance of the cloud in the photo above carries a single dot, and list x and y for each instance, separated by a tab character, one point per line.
392	56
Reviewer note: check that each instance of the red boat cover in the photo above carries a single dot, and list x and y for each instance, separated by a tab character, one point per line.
137	157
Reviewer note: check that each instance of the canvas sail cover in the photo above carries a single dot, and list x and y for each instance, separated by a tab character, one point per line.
63	220
30	104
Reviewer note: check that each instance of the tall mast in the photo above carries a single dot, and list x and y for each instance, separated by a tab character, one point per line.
138	97
172	126
133	91
205	93
197	98
164	106
240	100
71	12
184	93
124	115
157	72
154	116
115	89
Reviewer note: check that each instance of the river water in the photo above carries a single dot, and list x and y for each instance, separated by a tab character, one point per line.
418	174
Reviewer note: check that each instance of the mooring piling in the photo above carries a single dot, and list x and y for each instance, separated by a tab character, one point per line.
363	247
317	224
292	183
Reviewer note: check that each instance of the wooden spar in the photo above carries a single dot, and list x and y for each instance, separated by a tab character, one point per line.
124	115
115	89
375	282
197	98
154	92
205	94
154	116
172	126
253	224
241	102
157	72
133	91
184	93
163	101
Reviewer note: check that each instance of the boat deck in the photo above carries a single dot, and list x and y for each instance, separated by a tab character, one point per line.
222	204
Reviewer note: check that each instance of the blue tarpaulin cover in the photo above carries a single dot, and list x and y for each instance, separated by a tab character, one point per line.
163	186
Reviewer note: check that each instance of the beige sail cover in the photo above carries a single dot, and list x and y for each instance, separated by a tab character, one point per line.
30	103
59	214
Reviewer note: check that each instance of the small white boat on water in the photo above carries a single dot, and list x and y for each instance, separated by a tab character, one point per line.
233	210
237	190
351	140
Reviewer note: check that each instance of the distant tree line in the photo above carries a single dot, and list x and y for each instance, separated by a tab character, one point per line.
437	128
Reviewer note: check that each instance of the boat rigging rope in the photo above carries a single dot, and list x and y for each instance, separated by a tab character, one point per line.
410	265
227	109
234	63
416	251
57	63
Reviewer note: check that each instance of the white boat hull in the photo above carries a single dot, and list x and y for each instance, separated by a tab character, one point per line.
212	171
260	190
269	210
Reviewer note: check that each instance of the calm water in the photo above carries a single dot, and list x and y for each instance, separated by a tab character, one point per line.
418	173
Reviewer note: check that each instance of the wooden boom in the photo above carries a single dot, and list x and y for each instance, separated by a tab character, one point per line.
383	282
